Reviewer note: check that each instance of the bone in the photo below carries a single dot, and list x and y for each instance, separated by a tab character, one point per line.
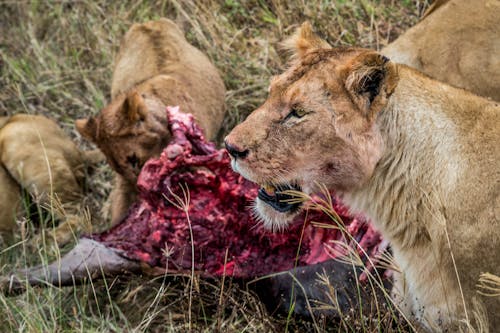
87	260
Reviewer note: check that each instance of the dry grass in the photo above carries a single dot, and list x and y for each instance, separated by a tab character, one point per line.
56	60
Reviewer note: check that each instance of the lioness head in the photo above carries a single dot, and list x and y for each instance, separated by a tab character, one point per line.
318	125
129	131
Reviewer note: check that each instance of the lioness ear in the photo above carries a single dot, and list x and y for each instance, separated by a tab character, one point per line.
304	40
134	107
87	128
370	79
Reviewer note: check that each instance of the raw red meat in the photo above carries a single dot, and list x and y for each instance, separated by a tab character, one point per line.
226	238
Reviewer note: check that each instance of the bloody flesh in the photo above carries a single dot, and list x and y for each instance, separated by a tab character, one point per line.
225	237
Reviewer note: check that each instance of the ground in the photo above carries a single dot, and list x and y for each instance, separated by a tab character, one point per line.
56	59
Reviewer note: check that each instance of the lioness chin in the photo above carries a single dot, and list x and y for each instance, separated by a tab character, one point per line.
419	157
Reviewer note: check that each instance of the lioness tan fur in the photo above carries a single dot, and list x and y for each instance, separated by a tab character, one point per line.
419	157
155	67
457	42
35	154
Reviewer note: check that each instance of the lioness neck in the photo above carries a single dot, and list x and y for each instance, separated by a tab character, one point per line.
421	162
442	147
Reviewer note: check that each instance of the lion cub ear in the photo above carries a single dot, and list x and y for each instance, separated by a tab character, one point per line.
134	107
370	78
304	40
87	128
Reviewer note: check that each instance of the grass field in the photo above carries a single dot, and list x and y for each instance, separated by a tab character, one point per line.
56	59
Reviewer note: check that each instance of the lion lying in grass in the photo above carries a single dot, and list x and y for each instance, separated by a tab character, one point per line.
418	156
457	42
155	67
36	155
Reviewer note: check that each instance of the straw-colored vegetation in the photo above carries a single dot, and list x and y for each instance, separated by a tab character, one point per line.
56	60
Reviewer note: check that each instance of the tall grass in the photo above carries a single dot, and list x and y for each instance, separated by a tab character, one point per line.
56	59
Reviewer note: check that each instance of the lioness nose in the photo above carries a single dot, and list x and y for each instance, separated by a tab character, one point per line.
235	151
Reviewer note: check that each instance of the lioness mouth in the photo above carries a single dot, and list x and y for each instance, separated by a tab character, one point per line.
274	196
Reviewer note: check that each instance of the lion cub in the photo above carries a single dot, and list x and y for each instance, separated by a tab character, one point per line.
419	157
35	154
155	67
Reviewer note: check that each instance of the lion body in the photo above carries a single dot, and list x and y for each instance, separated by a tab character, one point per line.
36	155
155	67
419	157
457	43
156	58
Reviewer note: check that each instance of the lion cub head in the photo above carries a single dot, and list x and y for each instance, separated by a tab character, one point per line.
318	125
129	131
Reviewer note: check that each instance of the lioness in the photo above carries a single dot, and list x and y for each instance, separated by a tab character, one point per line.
35	154
419	157
155	67
457	42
